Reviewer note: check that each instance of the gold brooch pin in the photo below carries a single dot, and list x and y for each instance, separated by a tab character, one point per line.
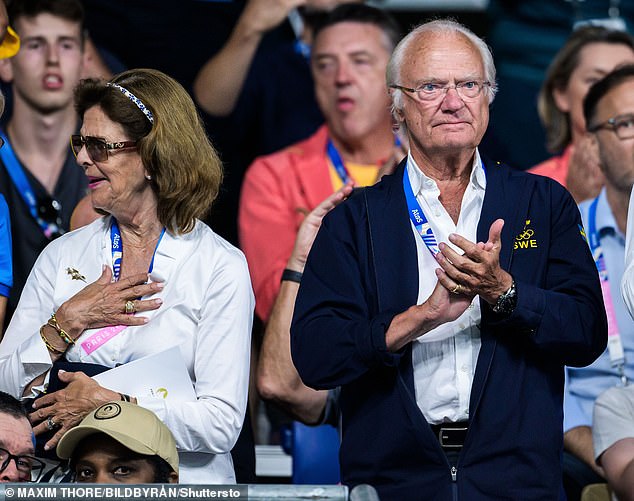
75	275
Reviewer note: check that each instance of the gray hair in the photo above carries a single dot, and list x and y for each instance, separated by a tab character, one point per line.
393	73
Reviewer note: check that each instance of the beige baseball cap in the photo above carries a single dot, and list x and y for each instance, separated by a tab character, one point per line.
134	427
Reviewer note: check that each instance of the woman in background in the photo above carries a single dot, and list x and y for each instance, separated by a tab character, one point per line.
589	54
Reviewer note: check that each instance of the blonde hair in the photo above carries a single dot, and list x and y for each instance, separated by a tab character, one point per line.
185	168
555	121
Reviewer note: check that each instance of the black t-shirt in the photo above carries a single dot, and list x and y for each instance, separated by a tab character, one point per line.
28	240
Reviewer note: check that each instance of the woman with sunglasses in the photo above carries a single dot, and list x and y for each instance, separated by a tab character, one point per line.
146	277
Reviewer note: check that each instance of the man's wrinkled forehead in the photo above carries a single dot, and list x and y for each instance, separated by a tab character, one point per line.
16	434
440	49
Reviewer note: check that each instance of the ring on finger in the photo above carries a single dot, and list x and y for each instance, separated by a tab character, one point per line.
456	289
130	307
50	424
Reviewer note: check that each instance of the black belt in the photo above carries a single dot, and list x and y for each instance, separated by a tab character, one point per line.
451	435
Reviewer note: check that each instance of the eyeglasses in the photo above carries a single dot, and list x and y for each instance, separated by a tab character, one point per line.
622	126
29	467
432	91
96	147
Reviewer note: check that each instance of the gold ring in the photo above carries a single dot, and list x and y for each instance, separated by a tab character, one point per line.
129	307
456	289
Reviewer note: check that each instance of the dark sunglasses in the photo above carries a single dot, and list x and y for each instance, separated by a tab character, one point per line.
96	147
30	468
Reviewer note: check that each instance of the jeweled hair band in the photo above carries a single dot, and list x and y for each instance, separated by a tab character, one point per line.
146	111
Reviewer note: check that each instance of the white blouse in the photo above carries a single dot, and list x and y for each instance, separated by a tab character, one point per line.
207	312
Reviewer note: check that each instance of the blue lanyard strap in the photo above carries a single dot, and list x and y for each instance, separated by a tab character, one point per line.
615	346
22	185
595	241
117	249
302	48
417	216
337	162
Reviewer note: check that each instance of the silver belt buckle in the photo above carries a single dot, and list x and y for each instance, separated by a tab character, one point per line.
441	438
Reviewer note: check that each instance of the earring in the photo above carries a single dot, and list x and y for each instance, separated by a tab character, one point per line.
148	177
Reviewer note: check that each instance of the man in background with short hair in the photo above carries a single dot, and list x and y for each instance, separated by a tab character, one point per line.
351	47
609	113
38	174
609	117
350	50
17	444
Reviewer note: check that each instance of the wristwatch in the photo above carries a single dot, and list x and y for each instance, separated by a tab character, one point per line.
507	301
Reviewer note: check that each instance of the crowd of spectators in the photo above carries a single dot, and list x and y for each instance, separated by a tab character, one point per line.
289	130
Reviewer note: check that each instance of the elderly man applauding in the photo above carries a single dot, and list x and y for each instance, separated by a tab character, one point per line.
446	299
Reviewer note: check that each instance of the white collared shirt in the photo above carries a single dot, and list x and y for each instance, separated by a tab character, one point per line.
444	359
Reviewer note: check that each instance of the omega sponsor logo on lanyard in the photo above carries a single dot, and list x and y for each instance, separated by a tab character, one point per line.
615	346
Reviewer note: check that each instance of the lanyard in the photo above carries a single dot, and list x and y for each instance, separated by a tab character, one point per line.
117	249
417	216
302	48
297	24
22	185
615	347
102	336
337	161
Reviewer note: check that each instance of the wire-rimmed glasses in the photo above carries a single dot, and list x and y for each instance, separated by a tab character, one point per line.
433	91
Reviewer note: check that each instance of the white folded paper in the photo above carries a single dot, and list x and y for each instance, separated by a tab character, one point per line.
162	374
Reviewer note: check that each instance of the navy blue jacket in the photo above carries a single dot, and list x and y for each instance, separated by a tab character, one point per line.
362	271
